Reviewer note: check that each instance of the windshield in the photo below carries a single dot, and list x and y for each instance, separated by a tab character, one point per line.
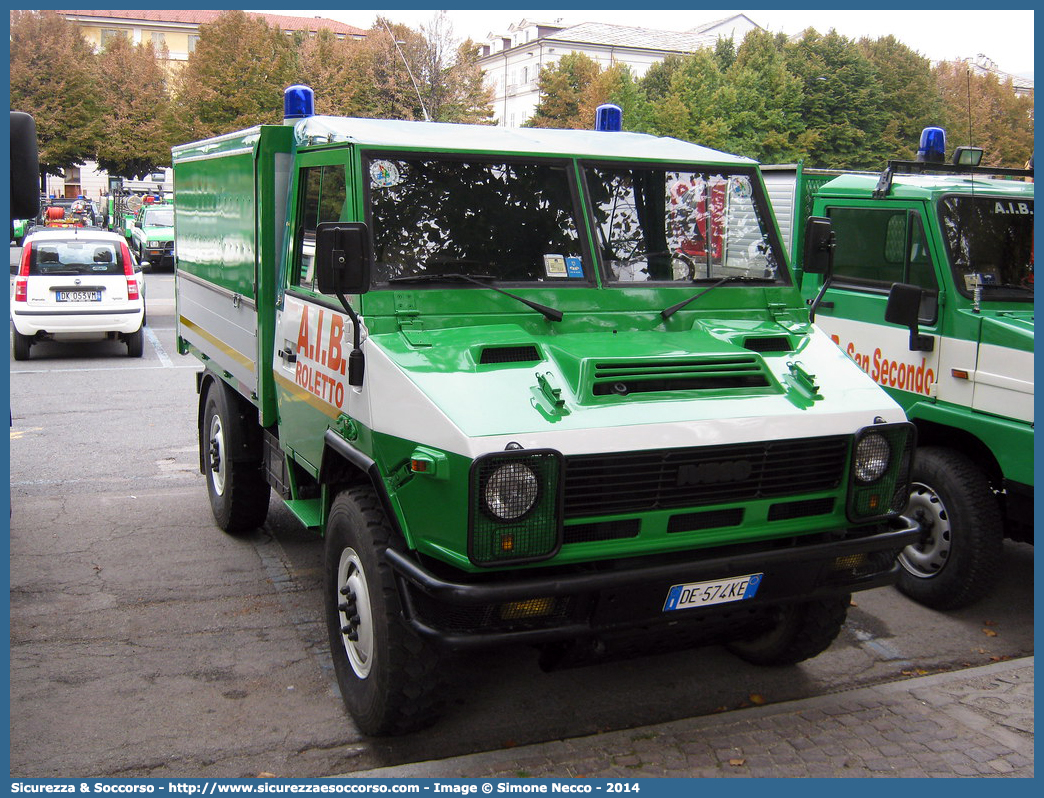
990	242
509	220
680	225
80	256
161	217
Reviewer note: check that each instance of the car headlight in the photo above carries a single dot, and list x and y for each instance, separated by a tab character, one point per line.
511	491
152	244
515	507
879	484
872	455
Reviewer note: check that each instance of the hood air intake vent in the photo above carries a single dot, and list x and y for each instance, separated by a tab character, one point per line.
691	374
768	343
509	354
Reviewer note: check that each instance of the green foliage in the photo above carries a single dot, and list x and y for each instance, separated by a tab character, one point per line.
235	77
562	92
843	100
910	97
823	99
138	122
52	77
1000	121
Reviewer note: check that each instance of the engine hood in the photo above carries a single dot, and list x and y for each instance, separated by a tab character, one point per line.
498	384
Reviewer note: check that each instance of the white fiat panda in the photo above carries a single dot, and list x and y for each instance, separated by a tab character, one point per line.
76	284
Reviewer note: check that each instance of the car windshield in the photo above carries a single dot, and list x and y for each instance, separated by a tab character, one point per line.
990	243
505	220
680	225
80	256
160	217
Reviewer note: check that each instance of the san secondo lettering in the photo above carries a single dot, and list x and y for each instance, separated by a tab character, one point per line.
902	375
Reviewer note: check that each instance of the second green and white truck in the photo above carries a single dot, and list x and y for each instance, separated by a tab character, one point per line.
531	386
931	294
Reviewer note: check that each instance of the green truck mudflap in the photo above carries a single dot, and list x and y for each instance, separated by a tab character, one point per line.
616	599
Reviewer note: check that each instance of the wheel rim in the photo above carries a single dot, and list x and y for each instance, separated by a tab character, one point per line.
928	558
354	614
216	455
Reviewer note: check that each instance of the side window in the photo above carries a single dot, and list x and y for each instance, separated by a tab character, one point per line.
869	245
876	248
322	199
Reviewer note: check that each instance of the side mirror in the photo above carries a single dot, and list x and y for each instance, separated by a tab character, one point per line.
819	246
904	306
25	167
342	257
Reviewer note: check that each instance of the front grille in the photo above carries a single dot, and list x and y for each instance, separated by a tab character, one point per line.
800	509
631	482
604	530
708	519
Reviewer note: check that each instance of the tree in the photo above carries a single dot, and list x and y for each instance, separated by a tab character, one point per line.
452	82
562	89
910	96
379	85
326	63
691	109
235	77
762	99
52	77
982	111
135	113
842	100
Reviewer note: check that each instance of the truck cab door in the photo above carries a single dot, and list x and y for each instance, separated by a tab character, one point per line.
876	247
312	334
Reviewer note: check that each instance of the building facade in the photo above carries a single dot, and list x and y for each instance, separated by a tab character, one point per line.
178	31
512	61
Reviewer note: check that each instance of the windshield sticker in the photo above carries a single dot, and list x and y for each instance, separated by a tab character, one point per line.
574	267
384	174
975	280
555	266
741	188
1016	208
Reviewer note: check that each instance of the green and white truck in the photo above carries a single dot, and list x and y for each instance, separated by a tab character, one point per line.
931	294
533	386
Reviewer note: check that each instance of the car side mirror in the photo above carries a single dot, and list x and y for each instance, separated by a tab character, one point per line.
342	257
819	246
904	307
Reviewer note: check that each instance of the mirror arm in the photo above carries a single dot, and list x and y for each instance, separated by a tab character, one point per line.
356	361
827	278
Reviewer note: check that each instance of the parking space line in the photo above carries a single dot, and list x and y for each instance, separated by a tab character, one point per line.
160	352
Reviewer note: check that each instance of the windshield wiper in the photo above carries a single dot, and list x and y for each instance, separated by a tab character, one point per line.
668	312
1008	287
551	314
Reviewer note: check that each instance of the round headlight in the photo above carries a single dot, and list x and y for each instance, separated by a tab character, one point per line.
511	491
152	244
872	455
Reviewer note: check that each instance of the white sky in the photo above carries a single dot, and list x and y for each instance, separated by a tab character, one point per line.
1005	36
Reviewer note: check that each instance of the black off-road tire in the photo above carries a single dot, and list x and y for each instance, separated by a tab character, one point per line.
232	462
958	561
802	631
20	344
389	677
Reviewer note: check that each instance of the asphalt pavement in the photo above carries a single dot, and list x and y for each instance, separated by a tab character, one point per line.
975	722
